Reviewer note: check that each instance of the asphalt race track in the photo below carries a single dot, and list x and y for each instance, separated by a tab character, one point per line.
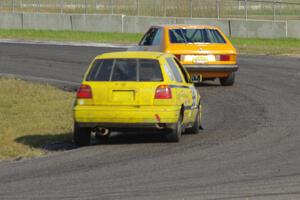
249	148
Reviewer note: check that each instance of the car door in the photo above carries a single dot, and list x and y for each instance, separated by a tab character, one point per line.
193	91
152	40
184	90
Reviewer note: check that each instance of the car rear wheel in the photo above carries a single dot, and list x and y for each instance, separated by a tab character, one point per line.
175	134
82	135
196	125
228	81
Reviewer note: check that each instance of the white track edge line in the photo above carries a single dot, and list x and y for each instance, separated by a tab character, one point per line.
64	43
26	77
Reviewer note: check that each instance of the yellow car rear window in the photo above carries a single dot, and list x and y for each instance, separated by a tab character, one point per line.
145	70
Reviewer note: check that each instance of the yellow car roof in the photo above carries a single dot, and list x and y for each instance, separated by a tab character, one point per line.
172	26
132	54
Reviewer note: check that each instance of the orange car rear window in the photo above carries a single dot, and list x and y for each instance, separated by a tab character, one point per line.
195	36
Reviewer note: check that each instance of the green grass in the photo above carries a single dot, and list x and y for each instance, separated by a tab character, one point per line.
243	45
70	36
286	46
31	116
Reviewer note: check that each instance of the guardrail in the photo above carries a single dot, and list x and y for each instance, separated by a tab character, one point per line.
240	9
138	24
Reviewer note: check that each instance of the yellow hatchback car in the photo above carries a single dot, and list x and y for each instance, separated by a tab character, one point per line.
203	50
124	91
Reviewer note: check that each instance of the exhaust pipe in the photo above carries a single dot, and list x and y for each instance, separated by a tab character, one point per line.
160	126
102	131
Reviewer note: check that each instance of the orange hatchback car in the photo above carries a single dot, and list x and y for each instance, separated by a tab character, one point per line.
204	51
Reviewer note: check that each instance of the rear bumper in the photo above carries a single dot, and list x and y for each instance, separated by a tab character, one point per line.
116	116
211	68
128	126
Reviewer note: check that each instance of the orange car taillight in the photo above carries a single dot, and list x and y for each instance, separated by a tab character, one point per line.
225	57
163	92
84	92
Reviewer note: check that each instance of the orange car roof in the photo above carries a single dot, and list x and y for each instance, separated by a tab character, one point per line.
172	26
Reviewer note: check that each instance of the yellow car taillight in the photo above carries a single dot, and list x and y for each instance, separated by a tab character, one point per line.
163	92
84	92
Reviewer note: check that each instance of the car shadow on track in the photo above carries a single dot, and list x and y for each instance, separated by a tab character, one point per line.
132	138
63	142
57	142
207	84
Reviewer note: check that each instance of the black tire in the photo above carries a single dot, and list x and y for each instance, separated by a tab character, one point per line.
228	81
175	134
82	135
196	125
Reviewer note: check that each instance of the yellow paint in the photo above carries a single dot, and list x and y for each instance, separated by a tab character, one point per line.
133	102
123	96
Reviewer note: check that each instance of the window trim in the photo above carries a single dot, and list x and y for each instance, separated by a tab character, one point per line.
184	73
170	59
146	35
158	33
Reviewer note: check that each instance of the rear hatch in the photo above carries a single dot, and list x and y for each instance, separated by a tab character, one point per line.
124	82
123	93
201	46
